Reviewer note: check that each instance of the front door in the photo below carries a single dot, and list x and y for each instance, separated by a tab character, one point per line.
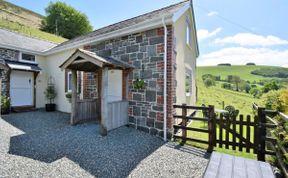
21	88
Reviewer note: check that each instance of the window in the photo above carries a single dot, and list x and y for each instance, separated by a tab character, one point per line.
27	57
188	82
188	33
69	81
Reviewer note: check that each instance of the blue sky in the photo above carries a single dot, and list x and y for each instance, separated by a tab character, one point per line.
237	31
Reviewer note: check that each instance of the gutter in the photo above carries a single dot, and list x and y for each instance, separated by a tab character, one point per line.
165	80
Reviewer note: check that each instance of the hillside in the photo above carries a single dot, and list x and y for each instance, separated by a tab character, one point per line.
215	95
24	21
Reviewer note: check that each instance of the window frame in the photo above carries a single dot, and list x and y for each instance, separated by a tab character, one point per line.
69	83
188	73
188	33
27	61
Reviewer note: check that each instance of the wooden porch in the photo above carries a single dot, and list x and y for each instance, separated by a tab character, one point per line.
110	110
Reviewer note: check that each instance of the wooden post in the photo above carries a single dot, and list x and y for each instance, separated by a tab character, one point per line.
261	134
74	97
104	102
184	124
211	128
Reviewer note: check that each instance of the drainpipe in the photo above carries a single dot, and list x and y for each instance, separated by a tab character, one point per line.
165	80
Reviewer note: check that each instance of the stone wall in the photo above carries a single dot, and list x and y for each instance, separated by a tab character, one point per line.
146	52
6	54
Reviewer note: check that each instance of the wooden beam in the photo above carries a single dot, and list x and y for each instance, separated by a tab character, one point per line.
104	97
74	97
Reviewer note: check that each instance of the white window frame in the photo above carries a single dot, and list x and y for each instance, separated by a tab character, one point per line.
26	61
188	33
68	81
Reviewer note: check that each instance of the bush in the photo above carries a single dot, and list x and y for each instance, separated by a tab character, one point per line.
225	64
209	82
271	100
255	92
272	85
250	64
227	86
5	104
283	98
205	76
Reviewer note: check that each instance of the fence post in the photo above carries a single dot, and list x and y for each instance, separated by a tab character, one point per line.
184	124
261	134
211	128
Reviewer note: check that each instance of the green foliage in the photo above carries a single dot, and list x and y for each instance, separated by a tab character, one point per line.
70	22
139	84
69	96
5	102
255	92
50	93
271	100
235	79
272	85
209	82
279	72
231	112
226	86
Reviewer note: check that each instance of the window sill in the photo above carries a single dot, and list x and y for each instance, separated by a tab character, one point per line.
29	62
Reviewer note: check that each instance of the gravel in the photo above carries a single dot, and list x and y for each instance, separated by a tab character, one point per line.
41	144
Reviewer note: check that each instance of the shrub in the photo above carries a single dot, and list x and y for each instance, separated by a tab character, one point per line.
271	100
139	84
255	92
5	102
283	98
209	82
50	93
272	85
226	86
250	64
225	64
205	76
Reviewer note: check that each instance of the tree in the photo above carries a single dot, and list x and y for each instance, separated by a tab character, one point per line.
236	79
65	21
209	82
272	85
255	92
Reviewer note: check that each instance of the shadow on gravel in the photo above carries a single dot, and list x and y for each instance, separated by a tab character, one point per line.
49	137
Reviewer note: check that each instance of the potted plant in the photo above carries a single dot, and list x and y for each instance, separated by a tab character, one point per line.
50	95
5	105
69	97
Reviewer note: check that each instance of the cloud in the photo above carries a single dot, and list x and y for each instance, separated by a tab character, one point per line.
212	13
249	39
242	55
204	33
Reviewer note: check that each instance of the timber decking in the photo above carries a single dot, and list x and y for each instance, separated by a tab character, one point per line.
223	165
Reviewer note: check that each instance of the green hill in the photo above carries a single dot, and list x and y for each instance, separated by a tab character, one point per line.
24	21
216	95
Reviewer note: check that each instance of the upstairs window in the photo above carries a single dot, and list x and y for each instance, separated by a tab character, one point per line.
27	57
188	33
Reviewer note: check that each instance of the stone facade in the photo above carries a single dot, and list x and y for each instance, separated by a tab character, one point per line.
146	52
7	54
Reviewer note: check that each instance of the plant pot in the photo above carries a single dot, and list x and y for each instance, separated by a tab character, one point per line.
50	107
5	111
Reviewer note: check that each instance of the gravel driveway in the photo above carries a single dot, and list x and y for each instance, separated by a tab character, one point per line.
40	144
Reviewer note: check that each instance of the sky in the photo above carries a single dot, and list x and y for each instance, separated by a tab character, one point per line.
236	32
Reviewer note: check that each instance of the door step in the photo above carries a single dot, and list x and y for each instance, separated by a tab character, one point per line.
23	109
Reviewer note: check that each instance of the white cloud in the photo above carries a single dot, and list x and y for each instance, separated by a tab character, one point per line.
212	13
241	55
204	33
249	39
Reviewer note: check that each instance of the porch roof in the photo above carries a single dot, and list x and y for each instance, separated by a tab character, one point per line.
82	59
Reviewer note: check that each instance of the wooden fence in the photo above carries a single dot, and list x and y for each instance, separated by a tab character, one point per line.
118	114
87	109
235	133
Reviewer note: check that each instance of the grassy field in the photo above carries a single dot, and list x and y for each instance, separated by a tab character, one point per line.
33	32
243	71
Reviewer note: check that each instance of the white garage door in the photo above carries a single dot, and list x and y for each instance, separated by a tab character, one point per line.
21	88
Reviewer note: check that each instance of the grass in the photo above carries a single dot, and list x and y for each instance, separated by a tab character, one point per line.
243	71
33	32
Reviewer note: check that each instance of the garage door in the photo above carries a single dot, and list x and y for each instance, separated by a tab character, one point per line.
21	88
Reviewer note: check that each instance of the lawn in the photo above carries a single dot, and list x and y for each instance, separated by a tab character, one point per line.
33	32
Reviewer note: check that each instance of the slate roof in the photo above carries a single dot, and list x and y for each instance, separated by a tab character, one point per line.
16	40
126	23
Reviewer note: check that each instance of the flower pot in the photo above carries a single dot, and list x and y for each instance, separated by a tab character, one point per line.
5	111
50	107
